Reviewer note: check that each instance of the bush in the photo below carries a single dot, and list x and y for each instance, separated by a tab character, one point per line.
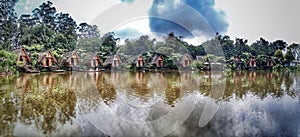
7	61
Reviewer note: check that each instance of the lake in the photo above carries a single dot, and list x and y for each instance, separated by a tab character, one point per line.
189	104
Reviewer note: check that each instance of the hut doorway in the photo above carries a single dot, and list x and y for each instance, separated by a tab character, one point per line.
47	62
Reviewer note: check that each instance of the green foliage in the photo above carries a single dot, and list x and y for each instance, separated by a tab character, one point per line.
278	54
7	61
197	64
289	56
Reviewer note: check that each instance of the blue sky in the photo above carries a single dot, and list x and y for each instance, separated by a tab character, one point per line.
251	19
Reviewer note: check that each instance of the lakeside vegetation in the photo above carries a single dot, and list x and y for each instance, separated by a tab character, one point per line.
46	29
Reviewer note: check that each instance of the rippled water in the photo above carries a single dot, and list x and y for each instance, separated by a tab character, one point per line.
151	104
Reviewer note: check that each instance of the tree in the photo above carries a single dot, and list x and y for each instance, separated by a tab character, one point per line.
289	57
295	49
86	31
65	28
279	55
45	14
279	44
7	61
109	43
8	26
262	46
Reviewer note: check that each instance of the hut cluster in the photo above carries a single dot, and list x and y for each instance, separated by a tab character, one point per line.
72	61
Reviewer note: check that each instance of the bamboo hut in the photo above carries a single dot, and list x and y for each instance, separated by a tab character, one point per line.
23	58
238	62
69	60
94	62
157	61
46	59
186	60
23	61
139	61
252	62
270	62
113	61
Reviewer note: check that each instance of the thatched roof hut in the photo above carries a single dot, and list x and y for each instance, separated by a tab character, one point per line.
158	60
46	59
186	60
270	62
252	62
113	61
70	59
23	58
93	62
139	61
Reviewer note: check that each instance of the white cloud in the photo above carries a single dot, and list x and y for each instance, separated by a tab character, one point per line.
271	19
84	10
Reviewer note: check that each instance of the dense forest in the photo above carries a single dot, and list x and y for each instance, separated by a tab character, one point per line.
47	29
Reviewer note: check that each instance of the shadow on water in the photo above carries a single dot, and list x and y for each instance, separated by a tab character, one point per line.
80	104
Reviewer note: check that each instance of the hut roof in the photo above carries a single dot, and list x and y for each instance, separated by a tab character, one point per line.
200	58
155	58
42	55
66	57
21	51
186	56
91	57
110	59
135	58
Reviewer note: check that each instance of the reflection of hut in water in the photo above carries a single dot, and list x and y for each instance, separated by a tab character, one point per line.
187	82
140	84
46	59
158	61
113	61
206	65
172	93
48	108
69	60
186	60
270	63
106	88
139	61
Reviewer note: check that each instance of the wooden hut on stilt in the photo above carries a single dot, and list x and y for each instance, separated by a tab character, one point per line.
47	61
252	63
158	61
186	61
23	61
270	63
139	62
113	62
238	62
69	60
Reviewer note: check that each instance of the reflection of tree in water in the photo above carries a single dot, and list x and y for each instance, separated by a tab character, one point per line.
259	83
86	90
173	88
139	85
106	87
205	83
8	105
46	102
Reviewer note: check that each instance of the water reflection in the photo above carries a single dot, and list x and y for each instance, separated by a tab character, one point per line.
248	103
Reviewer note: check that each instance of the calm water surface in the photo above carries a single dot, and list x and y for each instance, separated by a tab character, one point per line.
151	104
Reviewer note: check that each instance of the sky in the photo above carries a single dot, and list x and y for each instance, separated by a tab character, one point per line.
196	20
